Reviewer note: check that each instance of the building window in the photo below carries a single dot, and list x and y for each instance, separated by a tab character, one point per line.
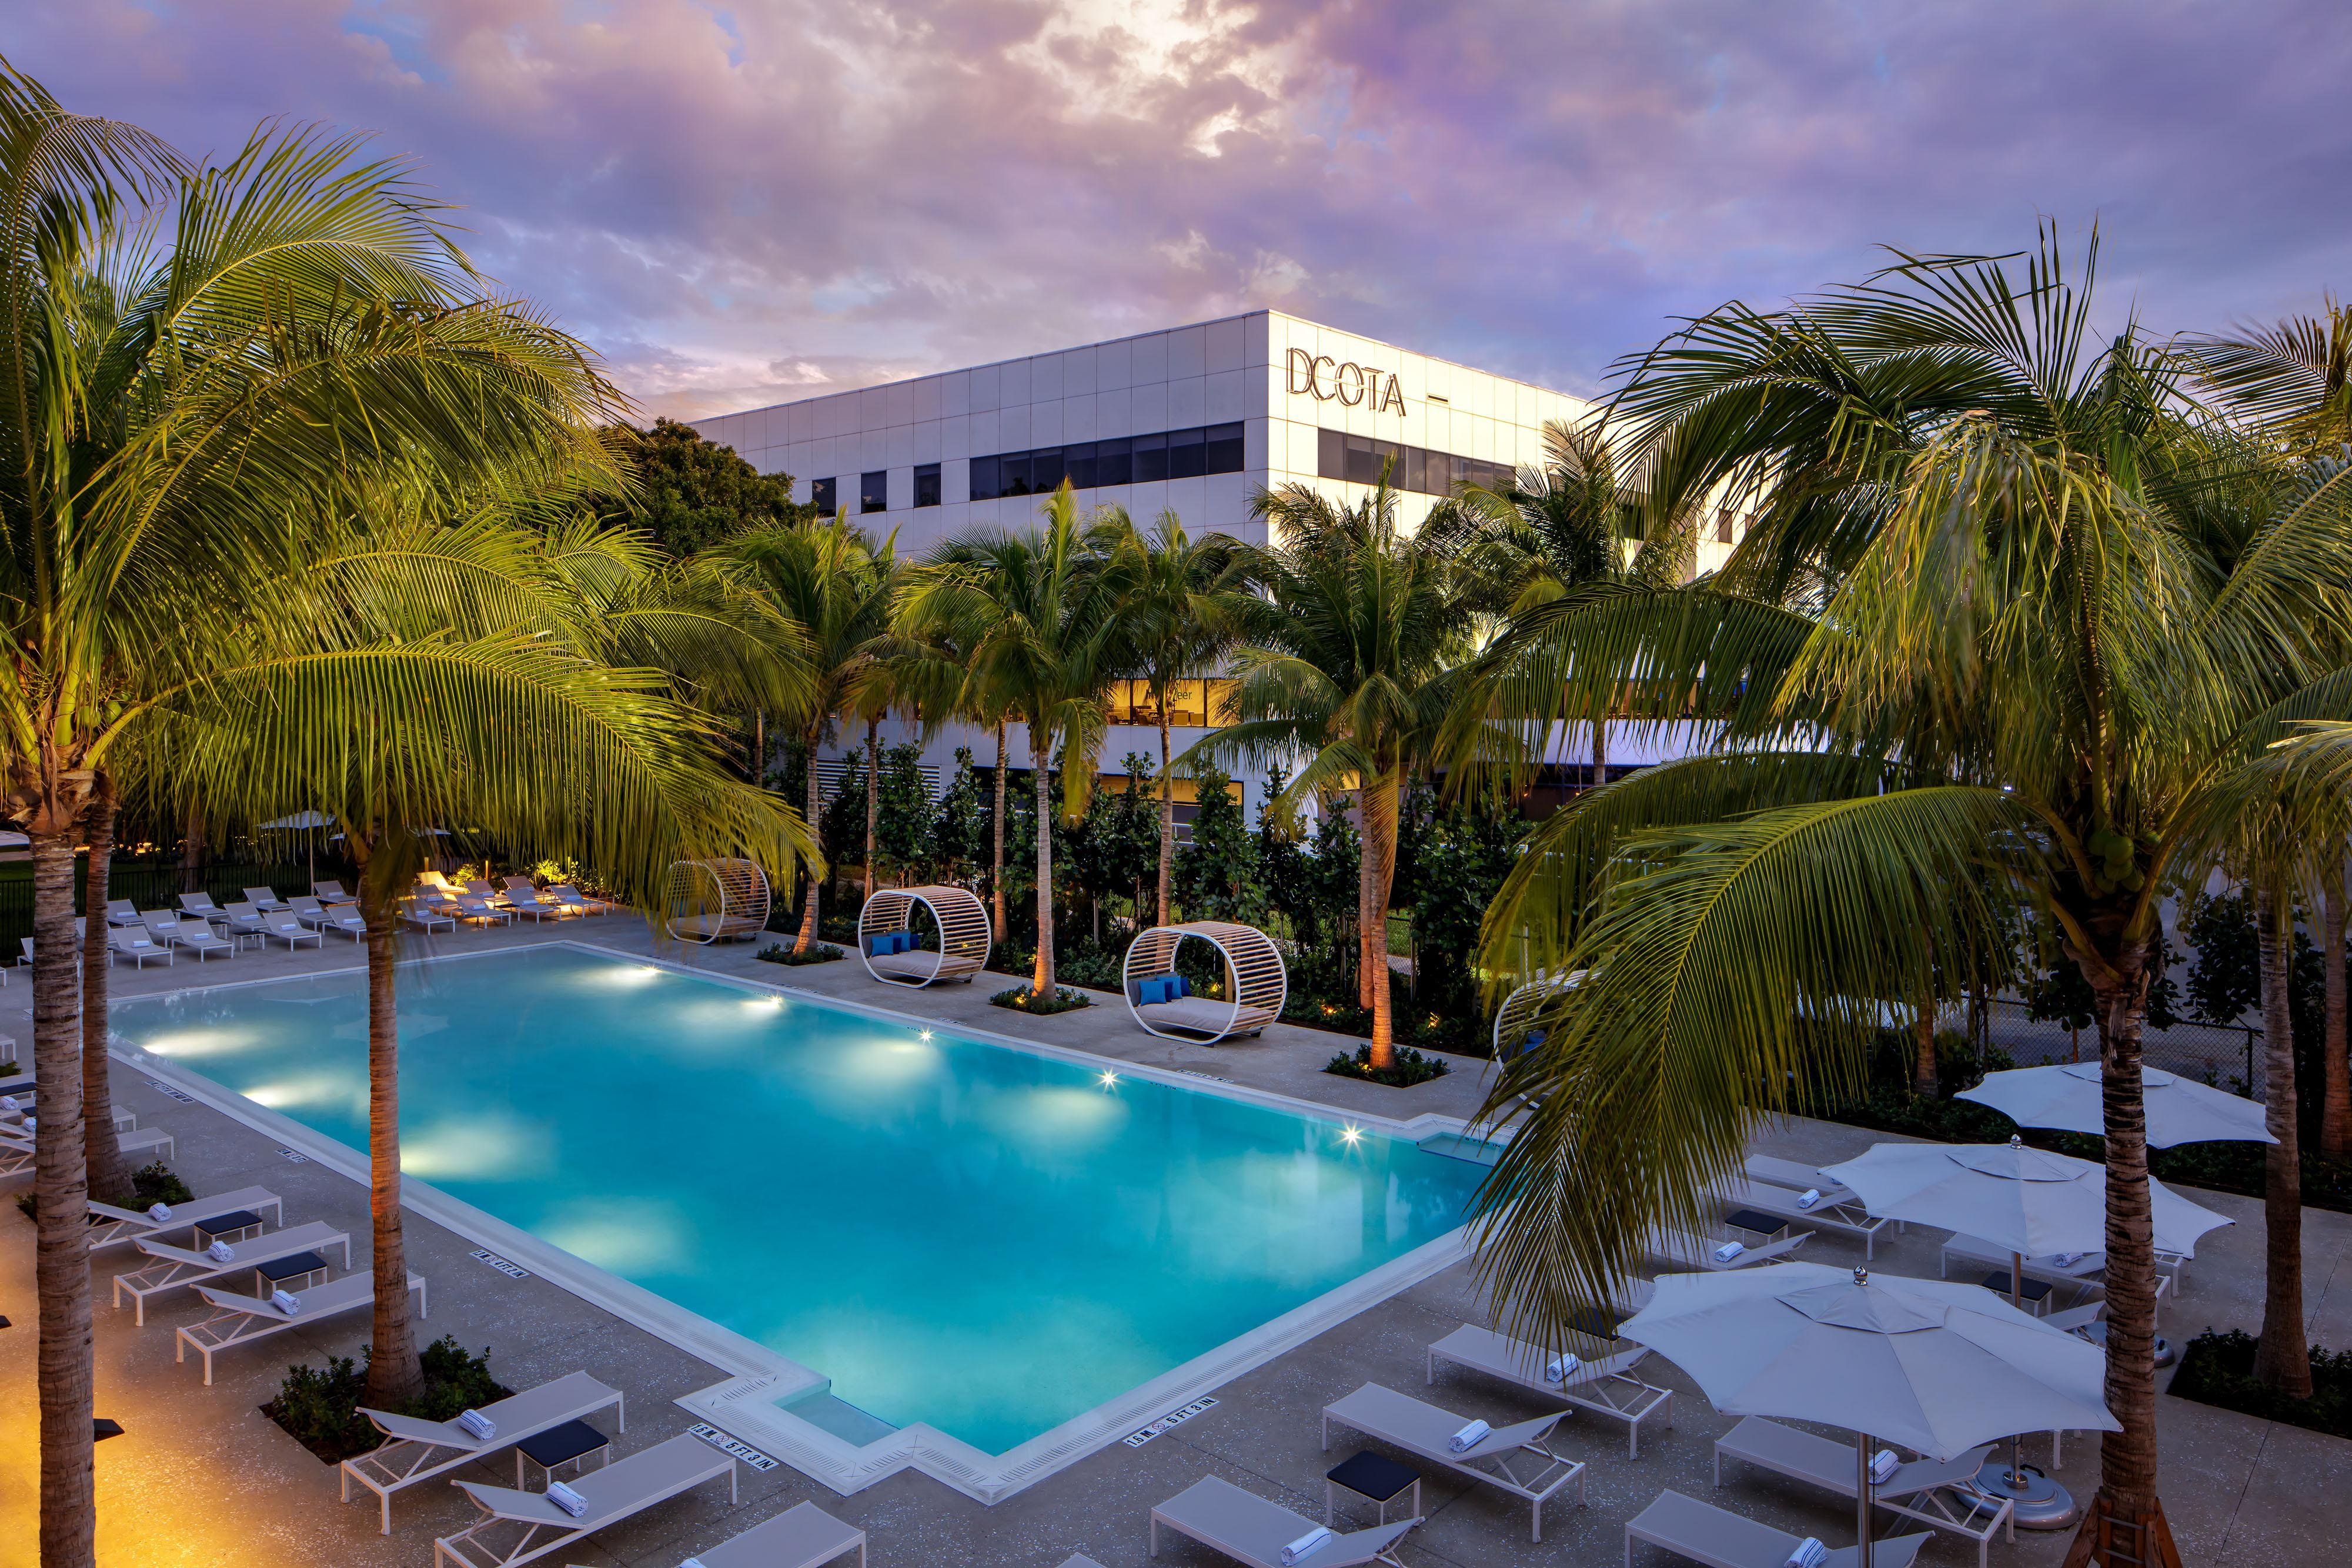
874	491
1723	527
820	496
1358	460
1190	704
927	484
1150	459
984	482
1121	460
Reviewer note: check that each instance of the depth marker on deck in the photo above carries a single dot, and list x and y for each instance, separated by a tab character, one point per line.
729	1446
1176	1417
510	1269
183	1097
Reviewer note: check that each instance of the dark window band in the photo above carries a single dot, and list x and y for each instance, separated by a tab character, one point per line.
1359	458
1126	460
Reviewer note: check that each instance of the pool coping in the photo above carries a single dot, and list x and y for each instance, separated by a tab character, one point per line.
745	1402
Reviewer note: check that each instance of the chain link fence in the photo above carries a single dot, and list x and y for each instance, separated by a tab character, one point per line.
2228	1057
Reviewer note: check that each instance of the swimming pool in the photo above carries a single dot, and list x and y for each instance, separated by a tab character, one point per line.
987	1240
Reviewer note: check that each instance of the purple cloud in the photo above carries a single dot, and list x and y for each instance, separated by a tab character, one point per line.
749	202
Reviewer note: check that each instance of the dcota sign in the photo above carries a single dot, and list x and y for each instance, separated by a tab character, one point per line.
1345	381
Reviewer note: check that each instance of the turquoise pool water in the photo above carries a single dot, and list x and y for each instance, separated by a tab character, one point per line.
955	1232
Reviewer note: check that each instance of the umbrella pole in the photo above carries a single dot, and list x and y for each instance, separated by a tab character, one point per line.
2017	1300
1864	1497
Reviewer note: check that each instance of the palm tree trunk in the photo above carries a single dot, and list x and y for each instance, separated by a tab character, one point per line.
2127	1457
395	1376
1167	819
2283	1359
996	828
109	1174
1041	978
61	1212
1600	752
1378	872
1923	1081
808	908
873	794
192	852
2335	1103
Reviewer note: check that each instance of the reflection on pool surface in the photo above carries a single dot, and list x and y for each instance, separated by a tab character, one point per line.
955	1232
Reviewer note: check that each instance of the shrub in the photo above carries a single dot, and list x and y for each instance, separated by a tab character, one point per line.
1021	999
2219	1369
782	953
157	1184
1412	1067
320	1408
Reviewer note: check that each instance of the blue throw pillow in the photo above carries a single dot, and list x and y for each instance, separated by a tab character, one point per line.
1154	990
880	944
903	943
1177	986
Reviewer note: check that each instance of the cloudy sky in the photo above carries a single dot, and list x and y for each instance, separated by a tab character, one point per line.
743	203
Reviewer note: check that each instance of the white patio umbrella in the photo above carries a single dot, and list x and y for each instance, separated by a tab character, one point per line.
309	822
2029	1203
1933	1365
2067	1096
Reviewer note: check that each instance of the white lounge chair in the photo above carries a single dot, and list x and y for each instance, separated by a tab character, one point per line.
241	1319
173	1266
193	936
343	917
1941	1493
530	1526
803	1536
526	899
265	900
243	920
1606	1387
146	1141
1781	1203
485	891
2085	1274
473	907
286	929
570	897
112	1227
424	915
1497	1459
121	911
1247	1528
135	944
329	893
416	1451
1721	1539
202	906
1686	1252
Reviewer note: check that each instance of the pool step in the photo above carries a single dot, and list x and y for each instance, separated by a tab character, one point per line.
840	1417
1462	1147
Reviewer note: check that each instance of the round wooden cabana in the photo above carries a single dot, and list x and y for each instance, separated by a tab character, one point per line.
964	934
716	901
1256	982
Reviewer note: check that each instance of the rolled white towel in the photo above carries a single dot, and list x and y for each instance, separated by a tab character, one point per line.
1882	1464
1561	1368
1728	1251
159	1212
221	1252
32	1123
10	1103
286	1303
564	1497
2068	1260
1809	1196
1808	1553
1469	1438
1304	1544
479	1426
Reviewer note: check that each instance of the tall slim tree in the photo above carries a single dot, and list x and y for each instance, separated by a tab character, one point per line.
2007	604
189	357
1176	613
1030	607
1349	655
826	578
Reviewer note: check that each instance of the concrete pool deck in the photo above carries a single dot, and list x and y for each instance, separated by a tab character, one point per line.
201	1476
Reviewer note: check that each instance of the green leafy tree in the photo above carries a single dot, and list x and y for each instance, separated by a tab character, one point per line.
689	494
2225	968
1464	854
959	828
1217	872
1114	848
2007	606
902	810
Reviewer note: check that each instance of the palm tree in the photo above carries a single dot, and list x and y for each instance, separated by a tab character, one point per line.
187	358
828	580
2004	609
1561	532
1347	654
1176	615
1031	611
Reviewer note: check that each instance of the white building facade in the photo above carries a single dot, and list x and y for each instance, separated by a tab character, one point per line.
1194	418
